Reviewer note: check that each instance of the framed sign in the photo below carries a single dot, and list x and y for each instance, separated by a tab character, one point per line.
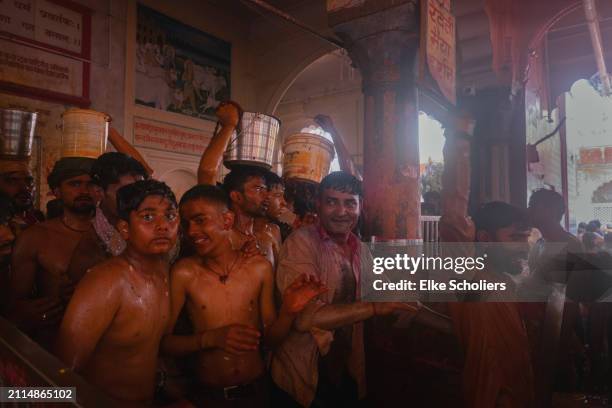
179	68
45	50
437	57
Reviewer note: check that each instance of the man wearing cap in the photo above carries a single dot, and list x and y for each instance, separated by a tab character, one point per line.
110	172
39	287
17	182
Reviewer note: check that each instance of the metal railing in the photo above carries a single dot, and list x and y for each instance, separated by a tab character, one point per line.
429	228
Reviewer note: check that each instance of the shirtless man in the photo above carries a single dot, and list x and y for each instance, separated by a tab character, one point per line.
248	193
43	251
270	223
110	171
17	182
7	238
229	299
115	321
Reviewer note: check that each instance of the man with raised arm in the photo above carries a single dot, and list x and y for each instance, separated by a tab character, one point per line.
248	194
120	310
229	299
269	224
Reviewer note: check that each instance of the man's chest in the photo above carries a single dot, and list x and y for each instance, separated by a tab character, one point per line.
216	298
55	251
142	317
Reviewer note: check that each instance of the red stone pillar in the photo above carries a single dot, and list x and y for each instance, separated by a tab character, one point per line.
383	45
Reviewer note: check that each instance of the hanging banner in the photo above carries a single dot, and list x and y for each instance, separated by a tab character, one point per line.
439	46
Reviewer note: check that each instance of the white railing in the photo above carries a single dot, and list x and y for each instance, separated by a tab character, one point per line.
429	228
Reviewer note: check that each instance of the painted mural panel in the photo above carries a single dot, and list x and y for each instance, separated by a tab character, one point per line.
178	68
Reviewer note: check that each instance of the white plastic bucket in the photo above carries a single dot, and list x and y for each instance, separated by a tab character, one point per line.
307	157
84	133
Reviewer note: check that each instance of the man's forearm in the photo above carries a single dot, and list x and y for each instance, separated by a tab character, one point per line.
331	317
276	333
125	147
213	155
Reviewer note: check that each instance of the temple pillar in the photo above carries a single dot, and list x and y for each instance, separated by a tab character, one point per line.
382	40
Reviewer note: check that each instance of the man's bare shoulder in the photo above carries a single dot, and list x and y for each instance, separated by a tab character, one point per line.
41	230
258	265
186	268
110	271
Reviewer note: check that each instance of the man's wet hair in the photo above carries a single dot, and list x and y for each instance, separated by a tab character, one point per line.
593	226
302	196
240	175
110	167
550	199
273	180
131	196
7	209
496	215
341	181
209	193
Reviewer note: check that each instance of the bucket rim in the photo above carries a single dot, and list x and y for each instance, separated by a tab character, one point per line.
265	114
329	143
33	112
92	112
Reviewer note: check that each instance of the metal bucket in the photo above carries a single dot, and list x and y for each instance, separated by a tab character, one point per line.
84	133
307	157
253	144
16	133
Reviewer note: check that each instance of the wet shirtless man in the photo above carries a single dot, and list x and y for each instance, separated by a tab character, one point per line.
43	251
17	182
120	309
7	238
270	223
248	193
110	172
229	298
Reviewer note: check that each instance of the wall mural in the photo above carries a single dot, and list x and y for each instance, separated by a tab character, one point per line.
178	68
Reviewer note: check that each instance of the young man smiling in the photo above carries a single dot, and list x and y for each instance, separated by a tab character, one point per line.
229	298
120	310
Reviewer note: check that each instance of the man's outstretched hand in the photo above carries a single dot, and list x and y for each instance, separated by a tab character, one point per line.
301	291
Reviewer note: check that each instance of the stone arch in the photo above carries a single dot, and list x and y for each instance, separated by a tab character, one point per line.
286	83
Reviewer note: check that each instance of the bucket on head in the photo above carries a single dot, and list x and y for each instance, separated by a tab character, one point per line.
17	129
254	142
307	157
84	133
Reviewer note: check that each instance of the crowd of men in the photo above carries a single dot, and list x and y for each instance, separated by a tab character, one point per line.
214	300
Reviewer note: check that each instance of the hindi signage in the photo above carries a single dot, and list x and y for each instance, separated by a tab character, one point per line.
167	137
45	49
31	67
438	37
44	22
